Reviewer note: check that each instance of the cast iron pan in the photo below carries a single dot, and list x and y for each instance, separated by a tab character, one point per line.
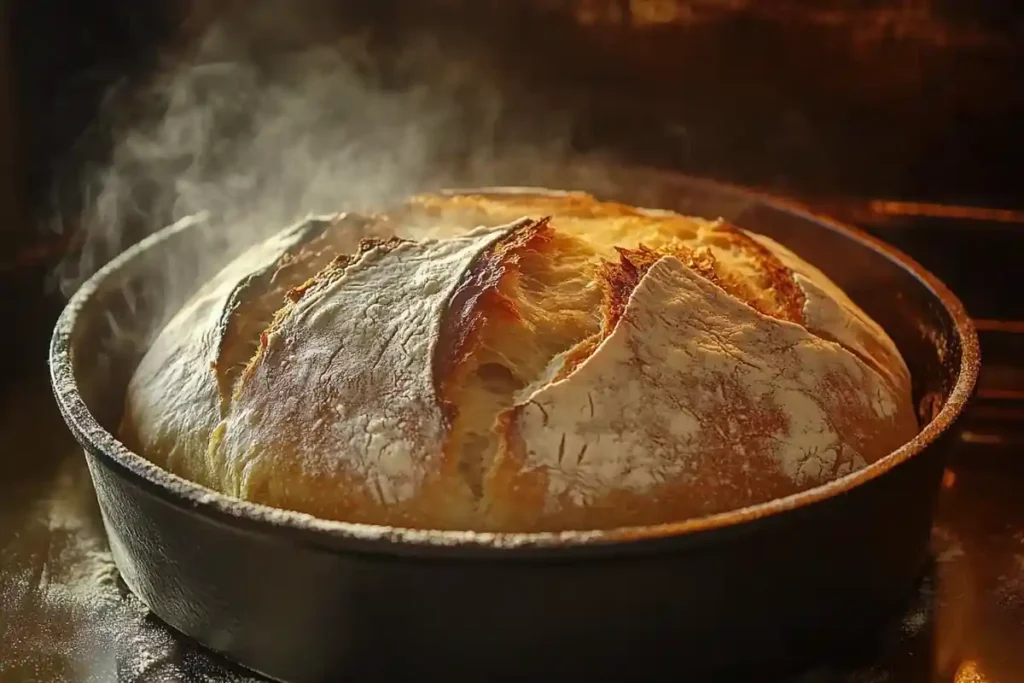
303	600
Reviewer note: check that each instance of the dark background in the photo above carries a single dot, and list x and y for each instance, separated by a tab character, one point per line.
903	98
833	101
836	102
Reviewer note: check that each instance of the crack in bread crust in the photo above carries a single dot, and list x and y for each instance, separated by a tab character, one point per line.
256	299
831	314
526	300
694	404
330	273
173	400
479	301
341	395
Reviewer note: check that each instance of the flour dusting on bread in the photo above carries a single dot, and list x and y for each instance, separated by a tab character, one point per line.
173	400
830	312
694	402
343	384
519	361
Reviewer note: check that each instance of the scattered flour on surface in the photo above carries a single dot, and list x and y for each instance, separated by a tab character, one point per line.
64	615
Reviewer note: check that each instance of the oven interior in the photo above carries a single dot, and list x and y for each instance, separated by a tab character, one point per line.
899	116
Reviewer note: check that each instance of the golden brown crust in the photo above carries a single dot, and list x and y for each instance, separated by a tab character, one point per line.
787	299
523	203
340	396
256	303
619	279
483	298
326	268
766	284
536	307
516	308
646	432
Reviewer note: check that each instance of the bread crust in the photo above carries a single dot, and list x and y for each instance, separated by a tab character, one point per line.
173	399
518	362
695	403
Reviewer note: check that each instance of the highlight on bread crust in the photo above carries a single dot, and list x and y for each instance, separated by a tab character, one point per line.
519	362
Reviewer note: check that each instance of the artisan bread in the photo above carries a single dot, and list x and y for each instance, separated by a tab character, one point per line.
518	361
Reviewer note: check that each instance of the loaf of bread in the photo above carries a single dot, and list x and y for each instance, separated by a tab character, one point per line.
517	360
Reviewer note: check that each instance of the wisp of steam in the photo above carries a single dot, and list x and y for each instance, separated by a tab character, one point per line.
262	120
258	127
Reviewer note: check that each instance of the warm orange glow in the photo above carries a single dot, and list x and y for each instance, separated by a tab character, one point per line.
1005	326
969	672
948	479
909	20
895	208
983	439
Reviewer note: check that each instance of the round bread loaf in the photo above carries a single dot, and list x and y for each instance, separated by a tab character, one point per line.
518	361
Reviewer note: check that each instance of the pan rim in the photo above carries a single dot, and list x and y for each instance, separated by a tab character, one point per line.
306	529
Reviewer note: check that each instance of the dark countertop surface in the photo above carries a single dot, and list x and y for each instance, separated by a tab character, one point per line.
64	615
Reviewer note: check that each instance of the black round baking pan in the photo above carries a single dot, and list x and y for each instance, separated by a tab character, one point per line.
304	600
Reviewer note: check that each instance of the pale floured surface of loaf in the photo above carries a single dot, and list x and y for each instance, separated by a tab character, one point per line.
694	402
172	399
578	364
338	413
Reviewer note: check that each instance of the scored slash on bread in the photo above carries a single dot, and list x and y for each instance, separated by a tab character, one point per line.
692	405
593	365
339	402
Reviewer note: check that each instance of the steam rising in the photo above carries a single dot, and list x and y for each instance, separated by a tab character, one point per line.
261	121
